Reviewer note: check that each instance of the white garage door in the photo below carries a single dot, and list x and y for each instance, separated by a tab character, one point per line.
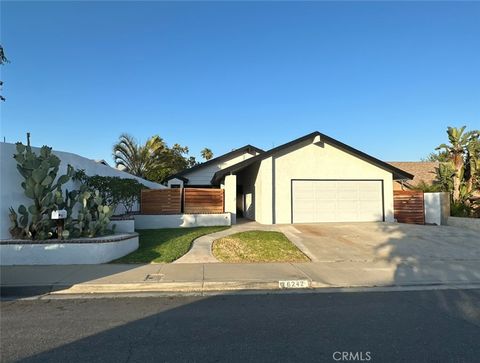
337	201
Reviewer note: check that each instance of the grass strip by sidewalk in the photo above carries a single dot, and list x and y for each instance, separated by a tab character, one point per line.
257	246
166	244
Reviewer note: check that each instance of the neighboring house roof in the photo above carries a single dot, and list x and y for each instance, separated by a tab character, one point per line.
398	174
422	170
245	149
179	177
102	161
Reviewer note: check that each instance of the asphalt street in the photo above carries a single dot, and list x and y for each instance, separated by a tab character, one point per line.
413	326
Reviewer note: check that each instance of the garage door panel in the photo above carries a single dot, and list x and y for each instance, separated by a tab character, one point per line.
346	205
347	195
337	201
367	195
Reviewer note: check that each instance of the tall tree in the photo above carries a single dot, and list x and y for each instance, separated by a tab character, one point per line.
442	157
472	162
456	149
171	161
153	161
206	153
139	160
192	161
3	60
464	156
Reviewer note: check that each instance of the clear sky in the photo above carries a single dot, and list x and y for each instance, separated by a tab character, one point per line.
384	77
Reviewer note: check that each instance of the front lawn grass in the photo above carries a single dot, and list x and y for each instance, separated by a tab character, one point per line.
166	244
257	246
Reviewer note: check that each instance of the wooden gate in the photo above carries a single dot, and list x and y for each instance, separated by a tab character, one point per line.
161	201
180	200
408	207
203	200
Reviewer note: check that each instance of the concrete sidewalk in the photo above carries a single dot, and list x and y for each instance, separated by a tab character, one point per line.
198	278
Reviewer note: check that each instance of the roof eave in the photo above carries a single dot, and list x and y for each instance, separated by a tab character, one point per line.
397	173
208	162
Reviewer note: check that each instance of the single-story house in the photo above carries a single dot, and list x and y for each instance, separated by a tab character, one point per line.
200	176
425	171
314	178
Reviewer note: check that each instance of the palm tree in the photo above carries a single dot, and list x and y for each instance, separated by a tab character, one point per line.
139	160
472	161
459	141
206	153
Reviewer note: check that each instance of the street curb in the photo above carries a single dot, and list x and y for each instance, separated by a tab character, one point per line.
208	288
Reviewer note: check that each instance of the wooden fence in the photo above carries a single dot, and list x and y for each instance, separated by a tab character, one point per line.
202	200
182	200
161	201
408	207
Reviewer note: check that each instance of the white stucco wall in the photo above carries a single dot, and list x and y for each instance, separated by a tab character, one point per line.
324	161
66	253
123	226
12	194
263	192
303	161
437	208
143	221
203	176
230	200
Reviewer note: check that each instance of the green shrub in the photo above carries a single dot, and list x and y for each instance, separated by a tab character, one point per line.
428	188
113	190
460	209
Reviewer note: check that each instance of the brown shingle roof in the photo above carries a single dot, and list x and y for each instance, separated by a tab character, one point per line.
422	170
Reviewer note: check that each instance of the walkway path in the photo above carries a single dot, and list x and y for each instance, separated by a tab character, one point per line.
201	251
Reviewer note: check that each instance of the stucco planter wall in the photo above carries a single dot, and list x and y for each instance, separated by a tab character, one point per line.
143	221
471	223
123	225
67	252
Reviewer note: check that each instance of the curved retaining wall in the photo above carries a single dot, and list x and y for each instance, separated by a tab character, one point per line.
67	252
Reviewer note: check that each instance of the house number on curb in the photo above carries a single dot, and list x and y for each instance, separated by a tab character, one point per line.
293	284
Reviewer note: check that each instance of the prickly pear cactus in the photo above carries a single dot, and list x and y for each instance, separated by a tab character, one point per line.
45	189
41	185
19	227
94	216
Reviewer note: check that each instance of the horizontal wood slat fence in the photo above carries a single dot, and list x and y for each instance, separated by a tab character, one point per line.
197	200
408	207
161	201
182	200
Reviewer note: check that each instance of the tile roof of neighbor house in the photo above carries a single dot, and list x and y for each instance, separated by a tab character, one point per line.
422	170
398	174
247	148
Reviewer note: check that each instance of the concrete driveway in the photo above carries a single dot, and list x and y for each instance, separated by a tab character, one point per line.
393	242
